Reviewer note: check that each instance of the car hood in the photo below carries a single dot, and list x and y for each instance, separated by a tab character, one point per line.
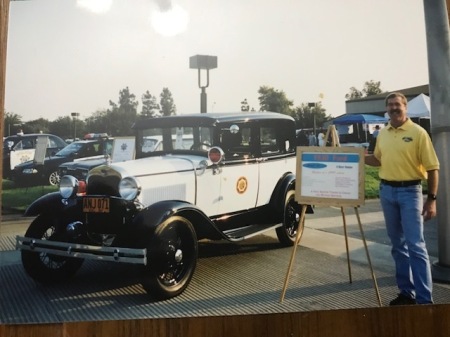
151	166
84	164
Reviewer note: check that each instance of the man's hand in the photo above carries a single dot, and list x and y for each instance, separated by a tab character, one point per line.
429	209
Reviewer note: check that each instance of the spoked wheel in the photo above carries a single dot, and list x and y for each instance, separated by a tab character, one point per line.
288	231
54	178
43	267
172	257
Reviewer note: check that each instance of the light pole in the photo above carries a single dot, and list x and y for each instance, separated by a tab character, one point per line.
203	62
312	106
75	115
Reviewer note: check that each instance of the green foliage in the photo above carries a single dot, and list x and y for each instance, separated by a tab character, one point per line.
150	108
12	123
168	107
304	115
274	100
18	199
372	182
371	88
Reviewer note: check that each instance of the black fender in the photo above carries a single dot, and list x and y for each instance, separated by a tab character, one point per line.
148	219
51	202
284	185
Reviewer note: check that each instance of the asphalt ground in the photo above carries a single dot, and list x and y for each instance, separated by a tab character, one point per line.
230	279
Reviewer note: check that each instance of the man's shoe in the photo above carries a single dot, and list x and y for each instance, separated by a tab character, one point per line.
402	300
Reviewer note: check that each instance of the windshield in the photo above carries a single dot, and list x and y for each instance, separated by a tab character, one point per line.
174	138
70	149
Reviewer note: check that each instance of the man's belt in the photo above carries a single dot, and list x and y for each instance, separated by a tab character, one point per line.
405	183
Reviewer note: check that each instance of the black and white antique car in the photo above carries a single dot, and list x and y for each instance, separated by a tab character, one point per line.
234	180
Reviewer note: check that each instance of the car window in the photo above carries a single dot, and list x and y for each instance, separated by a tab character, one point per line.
168	139
237	145
24	144
108	147
269	143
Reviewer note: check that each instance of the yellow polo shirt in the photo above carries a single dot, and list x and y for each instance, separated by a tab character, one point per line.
405	153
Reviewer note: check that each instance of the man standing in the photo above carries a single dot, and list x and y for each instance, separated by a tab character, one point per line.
406	156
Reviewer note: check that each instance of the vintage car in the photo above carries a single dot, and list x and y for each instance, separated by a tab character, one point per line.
236	180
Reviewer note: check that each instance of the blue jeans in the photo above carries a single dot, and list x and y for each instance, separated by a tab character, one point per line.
402	208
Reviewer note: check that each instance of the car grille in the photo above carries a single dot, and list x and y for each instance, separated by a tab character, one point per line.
111	222
103	185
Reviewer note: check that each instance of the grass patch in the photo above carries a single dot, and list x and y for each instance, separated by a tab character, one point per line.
372	182
18	199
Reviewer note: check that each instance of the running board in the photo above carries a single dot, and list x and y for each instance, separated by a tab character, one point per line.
239	234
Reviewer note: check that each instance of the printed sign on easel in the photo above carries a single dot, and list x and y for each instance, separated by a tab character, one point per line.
330	176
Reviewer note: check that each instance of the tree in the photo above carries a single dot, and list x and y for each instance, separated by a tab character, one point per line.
122	116
274	100
149	106
354	94
168	108
63	127
305	114
371	88
244	105
12	123
37	126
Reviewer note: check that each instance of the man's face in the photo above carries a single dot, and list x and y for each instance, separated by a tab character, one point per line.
397	111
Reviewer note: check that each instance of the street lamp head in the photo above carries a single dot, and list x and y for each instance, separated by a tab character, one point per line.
203	62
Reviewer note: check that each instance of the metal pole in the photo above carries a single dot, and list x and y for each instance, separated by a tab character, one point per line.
437	33
4	16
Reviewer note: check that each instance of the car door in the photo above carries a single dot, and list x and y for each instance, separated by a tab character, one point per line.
238	177
277	157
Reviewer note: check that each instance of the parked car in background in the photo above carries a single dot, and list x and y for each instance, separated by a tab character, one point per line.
235	181
31	173
18	149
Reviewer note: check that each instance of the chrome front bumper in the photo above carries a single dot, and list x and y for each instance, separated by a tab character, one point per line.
113	254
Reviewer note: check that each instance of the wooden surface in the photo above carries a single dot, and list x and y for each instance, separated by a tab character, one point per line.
410	321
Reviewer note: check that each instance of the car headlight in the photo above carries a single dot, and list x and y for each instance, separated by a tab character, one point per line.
129	188
68	186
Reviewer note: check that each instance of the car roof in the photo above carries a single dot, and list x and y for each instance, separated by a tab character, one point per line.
26	135
209	119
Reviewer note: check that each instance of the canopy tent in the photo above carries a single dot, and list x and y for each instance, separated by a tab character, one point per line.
359	118
418	107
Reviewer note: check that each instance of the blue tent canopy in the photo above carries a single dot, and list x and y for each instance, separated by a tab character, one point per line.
359	118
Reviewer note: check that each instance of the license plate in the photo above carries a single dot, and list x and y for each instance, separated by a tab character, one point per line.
96	205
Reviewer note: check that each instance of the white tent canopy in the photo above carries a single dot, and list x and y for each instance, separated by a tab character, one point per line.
418	107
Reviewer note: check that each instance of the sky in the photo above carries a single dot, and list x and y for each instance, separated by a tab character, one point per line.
67	56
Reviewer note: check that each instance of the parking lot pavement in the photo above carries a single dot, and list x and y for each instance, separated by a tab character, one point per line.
230	279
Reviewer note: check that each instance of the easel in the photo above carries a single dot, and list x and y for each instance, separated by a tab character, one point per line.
334	143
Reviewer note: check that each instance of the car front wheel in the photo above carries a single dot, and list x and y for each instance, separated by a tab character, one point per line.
172	257
291	216
43	267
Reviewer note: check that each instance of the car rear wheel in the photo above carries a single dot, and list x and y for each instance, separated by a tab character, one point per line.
43	267
288	231
54	178
172	257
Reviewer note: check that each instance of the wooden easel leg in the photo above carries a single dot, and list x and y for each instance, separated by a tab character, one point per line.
346	245
377	292
294	249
